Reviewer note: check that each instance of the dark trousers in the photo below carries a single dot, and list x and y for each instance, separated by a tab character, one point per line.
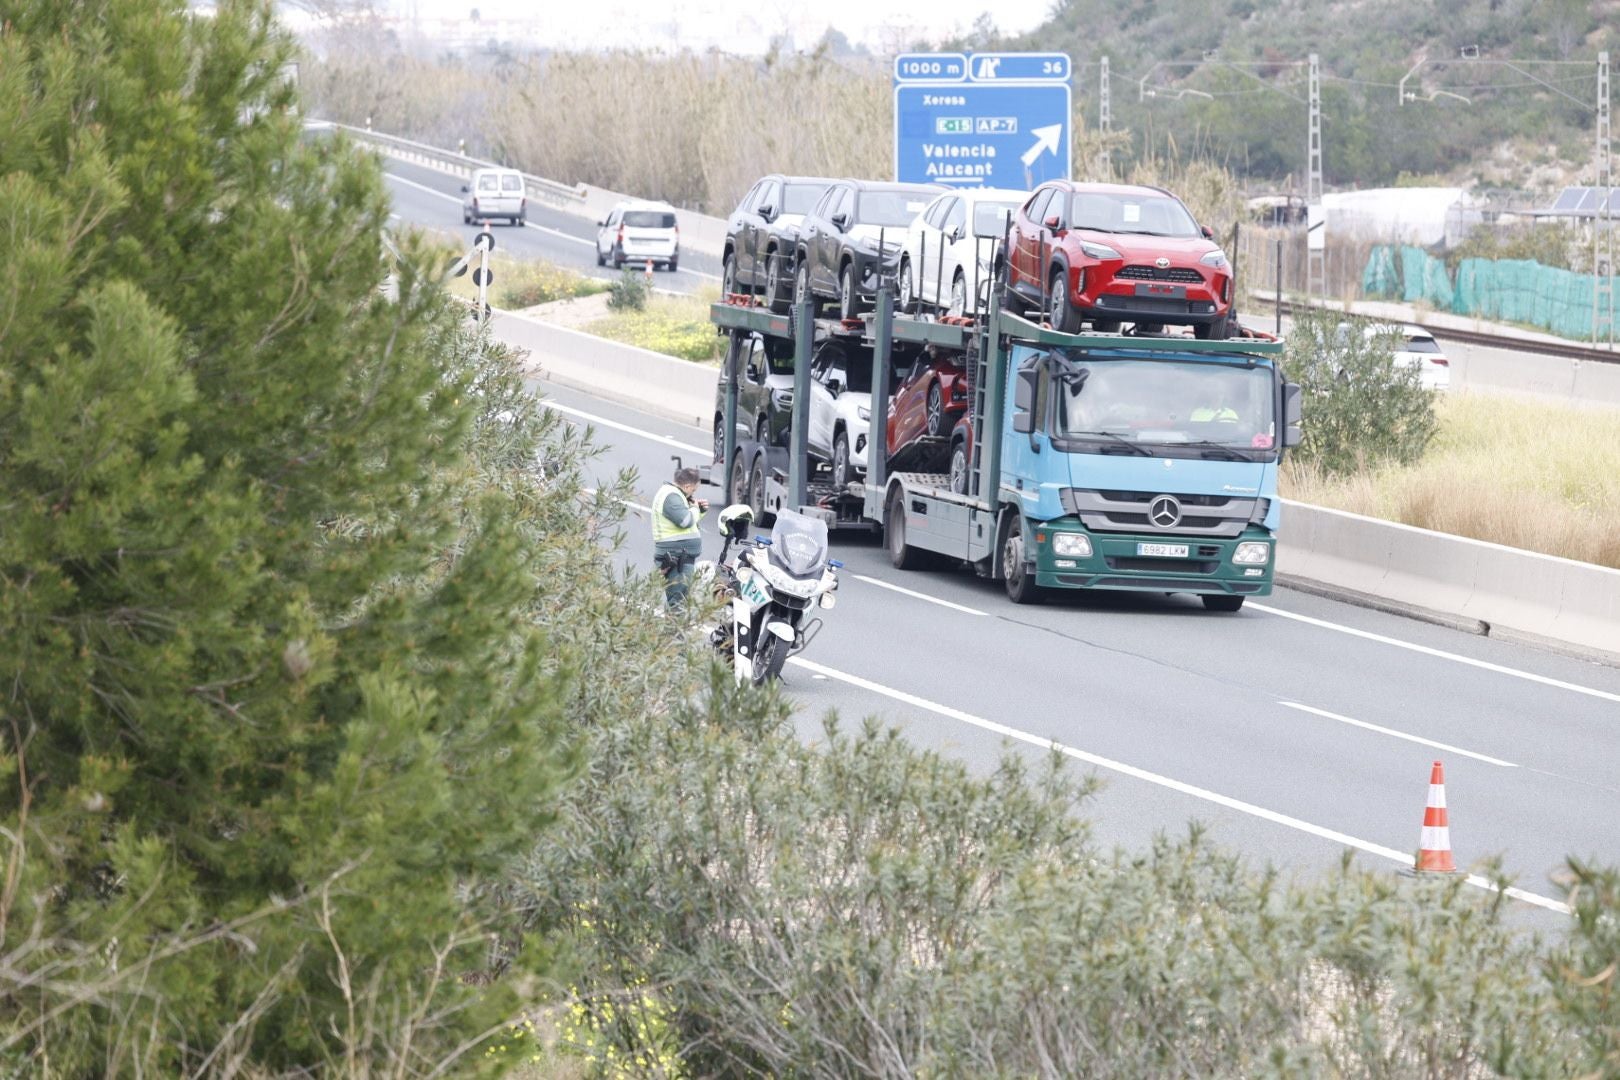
677	570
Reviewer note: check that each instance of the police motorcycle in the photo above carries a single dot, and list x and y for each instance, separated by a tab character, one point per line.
771	586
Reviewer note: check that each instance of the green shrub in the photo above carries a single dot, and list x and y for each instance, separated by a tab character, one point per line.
538	282
629	291
1360	409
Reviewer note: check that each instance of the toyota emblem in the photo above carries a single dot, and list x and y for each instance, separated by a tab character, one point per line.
1165	512
1161	262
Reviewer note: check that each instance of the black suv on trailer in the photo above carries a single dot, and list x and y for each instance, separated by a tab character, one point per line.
763	232
839	257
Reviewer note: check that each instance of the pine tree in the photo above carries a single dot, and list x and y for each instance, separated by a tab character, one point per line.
274	714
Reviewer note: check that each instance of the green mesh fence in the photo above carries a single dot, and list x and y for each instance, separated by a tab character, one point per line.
1506	290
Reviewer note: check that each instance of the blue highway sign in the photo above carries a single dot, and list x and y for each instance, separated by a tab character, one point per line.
985	119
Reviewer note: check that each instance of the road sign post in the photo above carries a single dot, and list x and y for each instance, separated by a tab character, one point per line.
982	120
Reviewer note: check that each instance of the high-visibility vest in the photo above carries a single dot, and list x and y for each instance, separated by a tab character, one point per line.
664	529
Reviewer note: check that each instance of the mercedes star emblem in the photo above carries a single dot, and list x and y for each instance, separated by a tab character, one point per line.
1165	512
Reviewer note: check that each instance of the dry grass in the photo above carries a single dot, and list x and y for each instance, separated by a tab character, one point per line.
1532	476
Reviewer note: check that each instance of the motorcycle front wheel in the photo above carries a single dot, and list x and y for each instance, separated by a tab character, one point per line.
772	655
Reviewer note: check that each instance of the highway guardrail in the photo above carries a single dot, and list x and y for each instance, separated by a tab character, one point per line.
458	164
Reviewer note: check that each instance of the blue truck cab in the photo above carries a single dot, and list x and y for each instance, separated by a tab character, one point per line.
1145	468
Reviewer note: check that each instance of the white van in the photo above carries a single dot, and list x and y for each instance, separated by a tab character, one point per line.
638	231
494	193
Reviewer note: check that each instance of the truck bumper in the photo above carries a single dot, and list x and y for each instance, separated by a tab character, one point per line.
1136	562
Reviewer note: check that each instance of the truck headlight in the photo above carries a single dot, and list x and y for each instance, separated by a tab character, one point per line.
1252	554
1073	544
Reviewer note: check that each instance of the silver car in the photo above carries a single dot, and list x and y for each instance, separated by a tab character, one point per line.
494	193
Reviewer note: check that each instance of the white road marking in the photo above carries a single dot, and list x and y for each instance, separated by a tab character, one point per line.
1402	857
667	440
1442	654
559	234
1529	676
1398	734
457	200
917	595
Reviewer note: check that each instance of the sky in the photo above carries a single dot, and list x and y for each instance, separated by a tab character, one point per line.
734	25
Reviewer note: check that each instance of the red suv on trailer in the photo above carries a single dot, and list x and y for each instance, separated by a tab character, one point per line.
1112	253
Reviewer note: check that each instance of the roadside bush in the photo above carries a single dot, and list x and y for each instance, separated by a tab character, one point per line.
755	905
1360	409
676	326
534	282
629	291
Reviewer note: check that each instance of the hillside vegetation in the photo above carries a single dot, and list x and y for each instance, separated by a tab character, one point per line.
697	130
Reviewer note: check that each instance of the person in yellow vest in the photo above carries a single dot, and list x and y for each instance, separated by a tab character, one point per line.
677	543
1219	412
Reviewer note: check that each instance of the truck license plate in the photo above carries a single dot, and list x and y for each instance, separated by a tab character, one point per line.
1163	551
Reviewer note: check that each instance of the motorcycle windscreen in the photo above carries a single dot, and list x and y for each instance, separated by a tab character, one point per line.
799	544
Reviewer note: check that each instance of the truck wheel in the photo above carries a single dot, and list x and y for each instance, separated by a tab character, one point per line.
1065	320
756	491
1222	602
902	555
1021	587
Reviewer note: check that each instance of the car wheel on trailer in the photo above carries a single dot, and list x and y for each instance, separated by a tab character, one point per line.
775	263
936	410
1105	326
728	275
959	467
762	429
1020	584
1064	319
840	460
1218	330
801	284
958	295
849	305
901	554
907	289
719	438
1222	602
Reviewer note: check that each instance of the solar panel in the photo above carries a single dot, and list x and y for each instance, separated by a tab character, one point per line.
1569	198
1590	197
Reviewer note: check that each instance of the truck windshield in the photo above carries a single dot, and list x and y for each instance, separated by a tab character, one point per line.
1165	403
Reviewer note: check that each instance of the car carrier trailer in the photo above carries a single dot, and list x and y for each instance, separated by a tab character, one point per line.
1092	466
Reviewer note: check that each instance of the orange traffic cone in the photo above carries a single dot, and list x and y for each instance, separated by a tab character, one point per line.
1434	850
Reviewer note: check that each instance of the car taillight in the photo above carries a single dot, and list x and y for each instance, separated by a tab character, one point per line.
1440	360
621	236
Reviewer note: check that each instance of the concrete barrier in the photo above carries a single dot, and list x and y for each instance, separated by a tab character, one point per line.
1509	590
674	389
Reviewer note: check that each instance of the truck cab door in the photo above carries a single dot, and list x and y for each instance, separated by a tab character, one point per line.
1025	452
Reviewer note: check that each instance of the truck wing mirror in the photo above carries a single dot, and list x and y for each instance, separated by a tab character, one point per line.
1023	418
1293	401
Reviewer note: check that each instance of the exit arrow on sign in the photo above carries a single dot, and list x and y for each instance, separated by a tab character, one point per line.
1046	139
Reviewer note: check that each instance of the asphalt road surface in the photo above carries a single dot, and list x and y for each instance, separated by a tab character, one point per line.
431	199
1295	728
